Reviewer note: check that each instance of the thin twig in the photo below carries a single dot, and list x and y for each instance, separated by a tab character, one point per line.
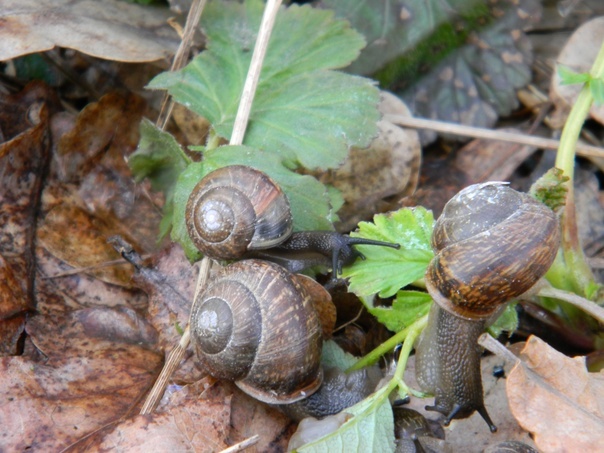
94	267
251	82
477	132
181	57
243	444
352	321
491	344
177	354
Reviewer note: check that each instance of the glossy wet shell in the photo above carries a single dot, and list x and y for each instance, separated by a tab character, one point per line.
235	209
256	325
492	244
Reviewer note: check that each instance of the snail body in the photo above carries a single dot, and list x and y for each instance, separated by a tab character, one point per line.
238	212
491	245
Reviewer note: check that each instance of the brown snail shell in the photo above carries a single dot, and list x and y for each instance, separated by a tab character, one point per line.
492	244
235	209
256	325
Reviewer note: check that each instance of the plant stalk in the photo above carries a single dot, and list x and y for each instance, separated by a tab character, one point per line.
572	262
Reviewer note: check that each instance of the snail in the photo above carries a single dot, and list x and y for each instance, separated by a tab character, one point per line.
238	211
491	244
257	324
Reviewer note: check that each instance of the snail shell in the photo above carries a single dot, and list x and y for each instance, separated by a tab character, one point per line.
492	244
256	325
235	209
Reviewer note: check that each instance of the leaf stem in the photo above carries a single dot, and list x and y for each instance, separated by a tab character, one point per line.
565	159
389	344
572	261
414	330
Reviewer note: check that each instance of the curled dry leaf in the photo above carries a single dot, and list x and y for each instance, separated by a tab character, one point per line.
23	161
578	54
108	29
388	167
557	399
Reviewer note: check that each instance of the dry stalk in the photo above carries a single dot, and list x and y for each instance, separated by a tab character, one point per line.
477	132
241	120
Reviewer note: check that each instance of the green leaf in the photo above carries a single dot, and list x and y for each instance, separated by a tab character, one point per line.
397	27
408	307
183	188
158	157
302	110
334	355
385	271
453	60
371	429
597	90
507	321
570	77
313	206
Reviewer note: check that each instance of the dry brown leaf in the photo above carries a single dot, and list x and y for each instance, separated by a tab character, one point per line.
94	153
73	235
73	386
250	417
195	419
109	124
23	161
578	54
491	160
109	29
557	399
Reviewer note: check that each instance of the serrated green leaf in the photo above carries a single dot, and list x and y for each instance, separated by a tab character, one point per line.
158	157
570	77
477	82
396	27
310	201
597	90
407	308
455	60
385	271
334	355
302	110
371	429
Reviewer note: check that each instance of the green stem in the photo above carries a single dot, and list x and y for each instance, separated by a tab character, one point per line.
389	344
413	333
565	159
213	140
571	262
